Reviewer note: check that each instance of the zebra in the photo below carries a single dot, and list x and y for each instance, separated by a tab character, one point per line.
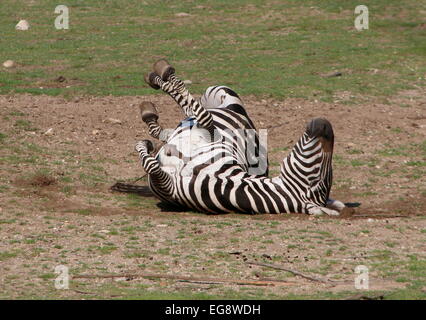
204	164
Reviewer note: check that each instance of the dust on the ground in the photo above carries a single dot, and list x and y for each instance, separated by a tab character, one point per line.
60	156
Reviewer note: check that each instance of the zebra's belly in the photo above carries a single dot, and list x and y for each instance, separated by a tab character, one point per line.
187	141
190	146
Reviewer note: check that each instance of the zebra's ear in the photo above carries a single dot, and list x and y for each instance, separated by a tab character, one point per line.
320	127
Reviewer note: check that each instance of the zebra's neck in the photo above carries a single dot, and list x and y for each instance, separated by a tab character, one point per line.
308	169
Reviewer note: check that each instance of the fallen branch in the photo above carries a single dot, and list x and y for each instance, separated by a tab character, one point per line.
295	272
268	282
83	292
364	297
378	215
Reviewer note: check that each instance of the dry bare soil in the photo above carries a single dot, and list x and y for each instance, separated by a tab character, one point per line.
59	157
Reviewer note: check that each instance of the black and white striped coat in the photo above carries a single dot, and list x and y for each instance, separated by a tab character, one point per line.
214	160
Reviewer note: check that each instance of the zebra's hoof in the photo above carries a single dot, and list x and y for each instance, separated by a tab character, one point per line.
149	79
148	112
163	69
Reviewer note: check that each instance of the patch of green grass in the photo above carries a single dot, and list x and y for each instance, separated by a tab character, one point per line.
121	291
68	190
416	163
7	221
164	251
84	212
92	179
396	130
383	255
323	233
4	255
47	276
113	232
383	173
138	254
17	113
97	235
358	163
135	200
105	249
15	159
401	151
4	188
338	159
390	244
274	164
33	148
24	125
277	48
354	151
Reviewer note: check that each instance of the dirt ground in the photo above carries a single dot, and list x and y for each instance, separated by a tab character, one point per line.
58	158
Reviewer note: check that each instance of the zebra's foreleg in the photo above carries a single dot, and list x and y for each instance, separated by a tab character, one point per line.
149	115
191	107
161	179
164	77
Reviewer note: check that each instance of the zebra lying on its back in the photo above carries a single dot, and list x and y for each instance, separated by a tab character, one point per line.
214	160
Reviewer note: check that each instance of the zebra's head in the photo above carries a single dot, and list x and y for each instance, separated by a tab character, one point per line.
321	129
309	165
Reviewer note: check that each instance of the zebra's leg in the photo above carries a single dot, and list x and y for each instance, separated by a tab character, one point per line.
149	115
162	180
164	77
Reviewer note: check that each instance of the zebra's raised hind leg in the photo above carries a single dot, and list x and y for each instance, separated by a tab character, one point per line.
164	77
149	115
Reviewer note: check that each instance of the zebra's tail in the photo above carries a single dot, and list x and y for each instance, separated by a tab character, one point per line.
132	188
